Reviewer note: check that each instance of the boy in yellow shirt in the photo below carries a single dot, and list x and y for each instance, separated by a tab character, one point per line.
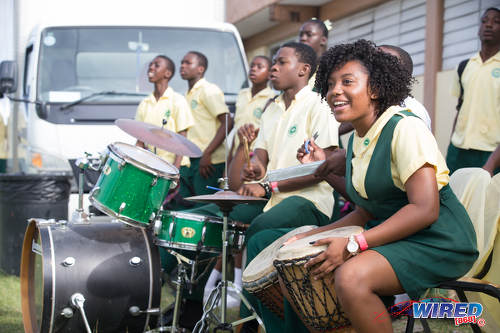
476	132
211	115
164	107
296	115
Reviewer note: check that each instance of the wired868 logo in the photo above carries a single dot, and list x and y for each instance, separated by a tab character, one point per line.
436	308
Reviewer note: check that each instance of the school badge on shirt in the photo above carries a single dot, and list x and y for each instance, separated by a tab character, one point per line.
292	130
257	113
495	72
194	104
167	114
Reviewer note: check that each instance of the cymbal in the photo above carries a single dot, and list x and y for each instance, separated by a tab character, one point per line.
159	137
225	198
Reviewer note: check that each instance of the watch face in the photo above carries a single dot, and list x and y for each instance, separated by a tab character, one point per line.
352	246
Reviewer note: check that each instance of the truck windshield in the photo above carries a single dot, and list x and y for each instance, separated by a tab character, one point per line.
76	62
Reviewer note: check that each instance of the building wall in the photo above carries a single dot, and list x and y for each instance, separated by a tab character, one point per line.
402	23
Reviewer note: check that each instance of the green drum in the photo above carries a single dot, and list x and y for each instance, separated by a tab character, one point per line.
133	184
195	232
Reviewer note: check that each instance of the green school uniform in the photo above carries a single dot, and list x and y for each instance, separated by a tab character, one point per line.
443	251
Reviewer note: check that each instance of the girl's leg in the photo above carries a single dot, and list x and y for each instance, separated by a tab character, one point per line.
358	284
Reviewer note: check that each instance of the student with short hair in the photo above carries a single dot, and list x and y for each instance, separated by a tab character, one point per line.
294	116
476	131
315	34
164	107
211	115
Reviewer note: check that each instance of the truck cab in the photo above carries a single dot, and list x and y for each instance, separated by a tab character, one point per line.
77	80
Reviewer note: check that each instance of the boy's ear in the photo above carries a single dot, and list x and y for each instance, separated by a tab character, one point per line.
323	41
168	74
304	70
201	70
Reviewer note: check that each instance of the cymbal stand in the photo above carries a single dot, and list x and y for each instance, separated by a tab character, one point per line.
220	292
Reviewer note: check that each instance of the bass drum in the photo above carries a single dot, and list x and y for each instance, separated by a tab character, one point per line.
114	266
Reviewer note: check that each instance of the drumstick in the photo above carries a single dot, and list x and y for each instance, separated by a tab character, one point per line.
247	152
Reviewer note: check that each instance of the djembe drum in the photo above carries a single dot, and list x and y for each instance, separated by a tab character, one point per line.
260	277
314	301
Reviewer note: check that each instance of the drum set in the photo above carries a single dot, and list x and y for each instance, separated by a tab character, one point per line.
103	273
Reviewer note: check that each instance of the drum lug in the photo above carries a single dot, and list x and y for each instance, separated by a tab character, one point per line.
203	233
122	207
67	312
152	216
171	230
157	227
68	262
155	180
135	261
173	184
121	165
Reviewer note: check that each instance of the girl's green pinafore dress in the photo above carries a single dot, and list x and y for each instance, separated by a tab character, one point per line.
443	251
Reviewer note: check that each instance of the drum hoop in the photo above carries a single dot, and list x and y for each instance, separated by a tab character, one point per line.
186	246
264	282
53	269
200	218
116	156
150	260
121	218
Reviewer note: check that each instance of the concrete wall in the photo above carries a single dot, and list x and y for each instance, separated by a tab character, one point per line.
445	109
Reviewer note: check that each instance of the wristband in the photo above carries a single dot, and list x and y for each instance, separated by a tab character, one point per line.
267	188
274	187
363	245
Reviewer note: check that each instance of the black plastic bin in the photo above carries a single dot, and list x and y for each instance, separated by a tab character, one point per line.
21	198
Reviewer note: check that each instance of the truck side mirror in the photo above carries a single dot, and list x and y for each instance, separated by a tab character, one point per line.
8	77
41	110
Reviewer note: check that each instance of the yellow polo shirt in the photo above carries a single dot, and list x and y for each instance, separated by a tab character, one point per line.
478	122
412	146
207	102
312	80
3	139
283	131
249	110
172	107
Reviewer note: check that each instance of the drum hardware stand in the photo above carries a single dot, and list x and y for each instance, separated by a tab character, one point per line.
79	216
181	278
220	292
77	301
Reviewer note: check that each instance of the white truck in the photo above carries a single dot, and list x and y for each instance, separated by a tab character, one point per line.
83	64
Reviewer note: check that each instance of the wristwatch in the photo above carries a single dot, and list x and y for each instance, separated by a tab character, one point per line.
267	188
352	246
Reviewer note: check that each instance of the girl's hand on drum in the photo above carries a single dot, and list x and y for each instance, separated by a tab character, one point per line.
254	190
334	256
313	152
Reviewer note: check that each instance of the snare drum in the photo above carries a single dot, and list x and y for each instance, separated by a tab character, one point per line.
260	277
114	266
195	232
133	184
315	301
